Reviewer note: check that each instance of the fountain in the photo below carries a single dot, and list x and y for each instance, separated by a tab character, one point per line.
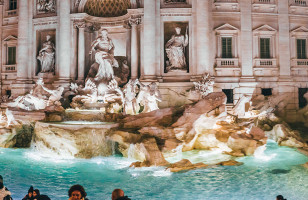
116	134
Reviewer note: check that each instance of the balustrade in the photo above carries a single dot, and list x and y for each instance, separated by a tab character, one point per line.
265	62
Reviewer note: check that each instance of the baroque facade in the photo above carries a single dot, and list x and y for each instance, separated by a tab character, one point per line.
247	46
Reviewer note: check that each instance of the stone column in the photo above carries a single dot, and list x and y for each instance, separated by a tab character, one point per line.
22	50
73	70
22	84
246	40
203	39
134	47
1	49
81	51
149	30
284	38
64	41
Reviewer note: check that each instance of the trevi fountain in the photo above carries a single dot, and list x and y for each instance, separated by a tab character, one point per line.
109	128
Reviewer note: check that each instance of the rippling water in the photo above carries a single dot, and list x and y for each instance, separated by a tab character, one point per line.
277	171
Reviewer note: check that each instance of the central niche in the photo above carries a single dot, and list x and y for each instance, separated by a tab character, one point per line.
107	8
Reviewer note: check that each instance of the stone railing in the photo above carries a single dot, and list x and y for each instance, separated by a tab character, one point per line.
264	2
271	62
299	3
9	68
299	62
11	13
227	62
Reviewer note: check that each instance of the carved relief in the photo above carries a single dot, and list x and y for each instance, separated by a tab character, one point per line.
176	42
45	6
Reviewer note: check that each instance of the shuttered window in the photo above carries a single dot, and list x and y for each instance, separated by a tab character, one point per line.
226	45
11	56
265	48
301	49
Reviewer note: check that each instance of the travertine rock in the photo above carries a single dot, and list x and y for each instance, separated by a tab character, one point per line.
185	165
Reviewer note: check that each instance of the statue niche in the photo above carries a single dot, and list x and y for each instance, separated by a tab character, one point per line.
46	56
176	51
107	67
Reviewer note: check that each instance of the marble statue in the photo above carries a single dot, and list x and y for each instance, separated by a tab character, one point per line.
37	99
46	6
148	97
175	49
130	101
10	118
104	48
205	86
47	56
55	95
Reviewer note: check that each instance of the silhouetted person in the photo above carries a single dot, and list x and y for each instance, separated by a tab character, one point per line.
29	196
36	194
280	197
5	194
118	194
77	192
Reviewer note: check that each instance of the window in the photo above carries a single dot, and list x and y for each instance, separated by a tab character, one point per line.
8	93
301	99
301	49
12	4
267	91
265	48
11	55
229	94
226	47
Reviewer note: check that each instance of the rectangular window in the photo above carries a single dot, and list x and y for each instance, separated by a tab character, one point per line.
226	46
266	91
12	4
301	49
11	56
265	48
301	99
229	94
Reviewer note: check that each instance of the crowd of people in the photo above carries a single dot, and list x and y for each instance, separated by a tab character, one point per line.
76	192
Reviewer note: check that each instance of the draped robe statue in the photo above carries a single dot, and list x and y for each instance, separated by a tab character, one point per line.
47	56
104	48
175	49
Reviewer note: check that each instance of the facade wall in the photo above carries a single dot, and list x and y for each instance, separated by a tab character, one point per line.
283	22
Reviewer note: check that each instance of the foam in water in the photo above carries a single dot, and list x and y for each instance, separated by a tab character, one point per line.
260	155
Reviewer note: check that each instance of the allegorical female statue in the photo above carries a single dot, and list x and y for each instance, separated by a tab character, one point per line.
175	49
104	48
47	56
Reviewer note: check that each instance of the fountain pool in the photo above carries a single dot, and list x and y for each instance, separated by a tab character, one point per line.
260	178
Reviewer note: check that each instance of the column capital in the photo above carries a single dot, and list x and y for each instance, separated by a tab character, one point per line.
134	21
79	24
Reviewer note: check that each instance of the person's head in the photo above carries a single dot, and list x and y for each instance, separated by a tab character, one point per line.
104	32
178	30
117	193
30	191
36	192
280	197
77	192
1	182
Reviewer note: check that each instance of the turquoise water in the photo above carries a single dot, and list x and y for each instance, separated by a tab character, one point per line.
278	171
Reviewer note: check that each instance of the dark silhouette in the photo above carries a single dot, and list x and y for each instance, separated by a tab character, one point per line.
29	196
118	194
